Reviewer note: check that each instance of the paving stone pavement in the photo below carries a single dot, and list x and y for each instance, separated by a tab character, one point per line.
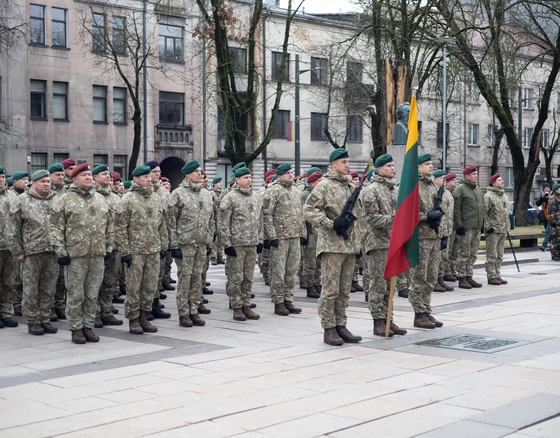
275	377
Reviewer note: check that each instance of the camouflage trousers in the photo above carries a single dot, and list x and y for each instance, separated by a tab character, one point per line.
357	267
189	284
284	263
265	265
205	267
425	276
378	288
445	264
240	276
495	243
404	280
311	269
60	293
7	270
336	278
468	250
83	276
555	240
39	273
141	280
17	294
453	254
168	265
160	277
107	289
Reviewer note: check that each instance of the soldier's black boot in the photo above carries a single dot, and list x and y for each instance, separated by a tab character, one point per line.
331	337
238	315
157	312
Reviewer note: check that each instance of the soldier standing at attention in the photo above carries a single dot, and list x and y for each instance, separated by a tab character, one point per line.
376	206
554	215
264	259
21	179
69	164
82	234
285	230
142	240
217	248
449	256
468	219
56	172
191	224
444	230
338	256
205	284
241	231
496	223
32	247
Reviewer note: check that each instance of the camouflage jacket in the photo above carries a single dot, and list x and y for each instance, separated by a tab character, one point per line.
82	225
468	211
304	195
68	181
190	216
240	220
554	209
110	197
323	206
447	204
30	223
428	194
58	189
140	226
282	212
7	198
496	210
376	211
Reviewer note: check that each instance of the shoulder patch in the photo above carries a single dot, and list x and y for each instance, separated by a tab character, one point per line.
312	199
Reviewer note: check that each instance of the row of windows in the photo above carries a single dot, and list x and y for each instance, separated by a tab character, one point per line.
39	161
37	25
473	136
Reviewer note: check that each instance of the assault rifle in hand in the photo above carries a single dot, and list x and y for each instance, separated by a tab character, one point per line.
347	217
435	215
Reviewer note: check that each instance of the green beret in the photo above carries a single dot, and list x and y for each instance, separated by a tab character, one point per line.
370	172
99	169
19	175
39	174
422	158
2	171
127	184
190	166
438	173
238	166
555	187
383	159
56	167
283	168
141	170
217	180
10	181
274	178
338	153
242	171
313	170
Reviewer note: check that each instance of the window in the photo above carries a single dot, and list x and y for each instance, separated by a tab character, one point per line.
318	123
119	105
472	92
544	139
509	178
38	100
59	158
98	33
354	125
38	162
276	63
99	104
473	134
513	97
119	164
281	125
319	71
60	101
98	160
170	43
491	135
354	72
58	27
36	24
527	135
171	108
440	135
527	98
119	35
239	58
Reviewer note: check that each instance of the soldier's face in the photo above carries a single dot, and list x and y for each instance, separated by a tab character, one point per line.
21	183
83	180
499	183
2	180
244	181
42	186
452	183
120	187
155	174
166	185
472	177
204	181
57	177
387	170
287	177
195	177
143	180
68	171
426	168
341	166
103	178
439	181
219	185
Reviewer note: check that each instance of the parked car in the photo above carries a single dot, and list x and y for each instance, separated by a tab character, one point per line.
532	214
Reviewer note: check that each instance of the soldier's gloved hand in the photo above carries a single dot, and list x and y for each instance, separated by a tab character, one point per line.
107	256
274	243
162	254
434	218
303	241
230	251
127	260
490	230
259	248
177	253
341	223
63	261
443	243
208	251
266	244
461	231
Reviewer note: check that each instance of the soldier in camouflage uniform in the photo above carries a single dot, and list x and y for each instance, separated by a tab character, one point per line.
21	179
104	316
496	224
264	259
338	256
7	260
355	182
218	247
449	257
376	211
426	271
240	226
82	235
206	265
32	247
191	224
168	260
554	219
311	269
285	231
445	229
142	240
69	164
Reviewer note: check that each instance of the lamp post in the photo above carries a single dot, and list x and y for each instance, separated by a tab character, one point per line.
144	82
444	41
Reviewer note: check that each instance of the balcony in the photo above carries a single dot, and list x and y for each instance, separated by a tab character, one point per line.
173	136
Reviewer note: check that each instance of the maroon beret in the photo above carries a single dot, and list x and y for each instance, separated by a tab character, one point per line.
269	179
116	176
79	169
354	175
270	172
469	169
68	162
314	177
493	178
163	179
450	176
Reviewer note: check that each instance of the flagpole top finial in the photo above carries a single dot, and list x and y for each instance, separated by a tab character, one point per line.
414	85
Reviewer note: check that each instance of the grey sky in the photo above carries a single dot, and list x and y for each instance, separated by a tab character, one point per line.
316	6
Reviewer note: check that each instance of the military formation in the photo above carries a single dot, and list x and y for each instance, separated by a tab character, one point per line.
75	240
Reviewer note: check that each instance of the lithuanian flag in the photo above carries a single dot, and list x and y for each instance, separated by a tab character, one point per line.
403	246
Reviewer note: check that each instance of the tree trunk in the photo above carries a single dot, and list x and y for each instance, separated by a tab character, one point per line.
136	142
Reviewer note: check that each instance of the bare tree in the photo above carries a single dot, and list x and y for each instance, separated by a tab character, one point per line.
12	25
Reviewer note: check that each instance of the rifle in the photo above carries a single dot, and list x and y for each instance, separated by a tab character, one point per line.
437	205
512	251
348	207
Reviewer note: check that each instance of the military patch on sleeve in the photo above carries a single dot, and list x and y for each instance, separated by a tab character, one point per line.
312	199
266	202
